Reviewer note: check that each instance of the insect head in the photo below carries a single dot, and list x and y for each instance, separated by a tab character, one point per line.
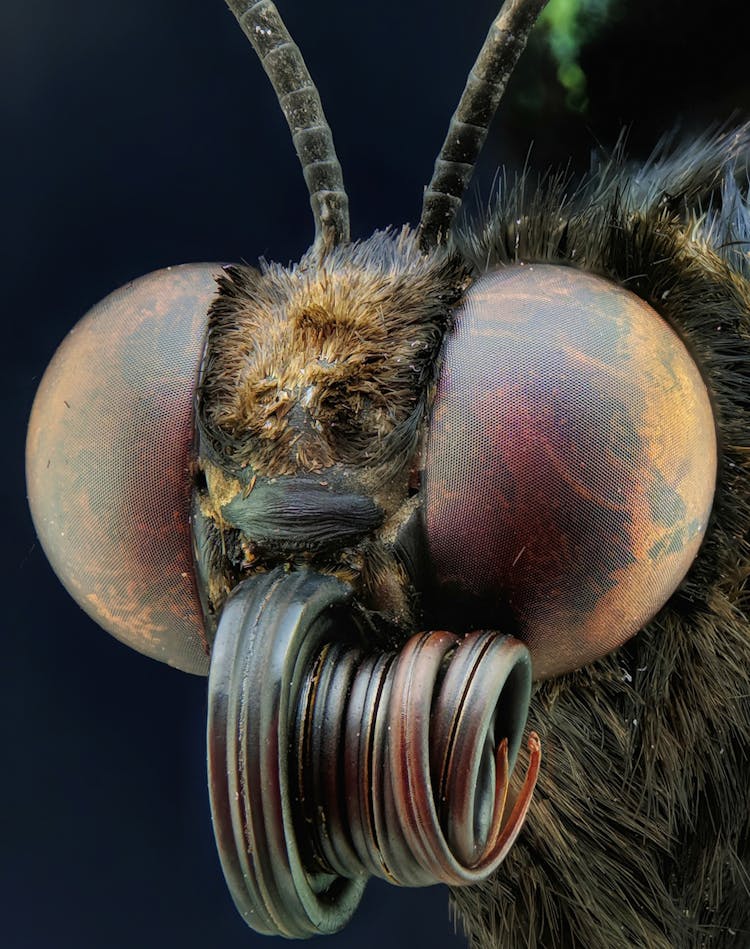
290	479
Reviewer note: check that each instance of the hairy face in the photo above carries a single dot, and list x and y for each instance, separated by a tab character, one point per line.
312	409
326	363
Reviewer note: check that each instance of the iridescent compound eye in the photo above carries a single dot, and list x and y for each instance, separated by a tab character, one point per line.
571	462
108	462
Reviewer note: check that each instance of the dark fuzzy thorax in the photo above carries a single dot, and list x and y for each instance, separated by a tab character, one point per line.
638	835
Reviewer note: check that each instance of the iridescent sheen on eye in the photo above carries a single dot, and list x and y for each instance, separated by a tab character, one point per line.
571	461
108	462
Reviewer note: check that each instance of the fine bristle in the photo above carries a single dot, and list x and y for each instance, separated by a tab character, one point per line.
639	832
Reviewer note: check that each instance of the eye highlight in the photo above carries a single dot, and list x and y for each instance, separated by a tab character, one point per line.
571	462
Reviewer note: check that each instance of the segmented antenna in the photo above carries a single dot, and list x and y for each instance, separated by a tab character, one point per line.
454	166
300	103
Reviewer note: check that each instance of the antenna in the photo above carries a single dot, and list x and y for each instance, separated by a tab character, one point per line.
300	103
485	86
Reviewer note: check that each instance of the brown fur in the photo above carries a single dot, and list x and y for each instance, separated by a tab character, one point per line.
326	362
323	368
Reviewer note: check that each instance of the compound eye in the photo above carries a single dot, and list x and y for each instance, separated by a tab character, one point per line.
108	462
571	462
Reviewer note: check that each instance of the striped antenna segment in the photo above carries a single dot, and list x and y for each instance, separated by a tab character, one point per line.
300	103
454	167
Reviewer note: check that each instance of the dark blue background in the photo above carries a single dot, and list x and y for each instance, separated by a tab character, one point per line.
142	134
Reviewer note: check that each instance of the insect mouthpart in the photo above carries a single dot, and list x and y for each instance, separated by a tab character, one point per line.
290	513
329	762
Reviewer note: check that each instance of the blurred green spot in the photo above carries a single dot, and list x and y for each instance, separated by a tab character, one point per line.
569	24
571	76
